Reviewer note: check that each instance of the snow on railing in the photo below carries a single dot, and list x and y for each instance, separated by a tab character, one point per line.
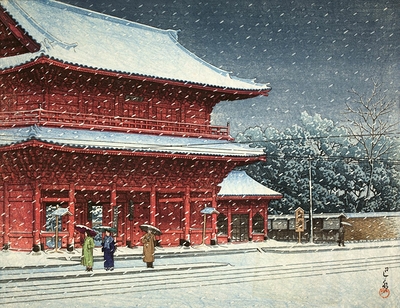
110	123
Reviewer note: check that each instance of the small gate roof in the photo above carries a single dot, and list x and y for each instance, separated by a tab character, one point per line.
97	41
238	183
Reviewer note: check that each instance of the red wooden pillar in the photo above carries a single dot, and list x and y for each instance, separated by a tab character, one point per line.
251	211
113	195
229	221
186	209
266	219
71	218
2	223
6	214
214	217
113	203
153	206
36	214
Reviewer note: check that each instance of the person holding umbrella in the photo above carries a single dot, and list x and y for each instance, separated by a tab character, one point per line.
341	236
148	248
342	232
108	250
87	252
148	243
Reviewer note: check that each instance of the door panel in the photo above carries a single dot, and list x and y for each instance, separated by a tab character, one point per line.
240	227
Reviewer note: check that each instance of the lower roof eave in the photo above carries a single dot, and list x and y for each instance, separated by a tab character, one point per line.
121	152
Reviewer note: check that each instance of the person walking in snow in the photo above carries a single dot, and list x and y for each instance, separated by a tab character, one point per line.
108	250
148	248
341	236
87	252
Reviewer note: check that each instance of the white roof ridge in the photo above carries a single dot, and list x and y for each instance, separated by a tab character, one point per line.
34	23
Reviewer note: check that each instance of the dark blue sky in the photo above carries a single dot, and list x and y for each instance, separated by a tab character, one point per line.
311	52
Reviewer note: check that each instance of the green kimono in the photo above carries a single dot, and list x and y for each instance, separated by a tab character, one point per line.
87	252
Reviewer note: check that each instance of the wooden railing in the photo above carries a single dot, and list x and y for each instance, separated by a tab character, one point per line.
110	123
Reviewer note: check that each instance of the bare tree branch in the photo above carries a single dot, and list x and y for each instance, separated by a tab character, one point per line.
370	124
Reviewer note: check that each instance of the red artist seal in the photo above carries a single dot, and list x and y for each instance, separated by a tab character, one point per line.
384	292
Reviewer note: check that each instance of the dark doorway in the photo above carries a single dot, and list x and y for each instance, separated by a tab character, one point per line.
95	215
240	227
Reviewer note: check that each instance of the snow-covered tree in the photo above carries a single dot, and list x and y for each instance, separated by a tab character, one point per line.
339	180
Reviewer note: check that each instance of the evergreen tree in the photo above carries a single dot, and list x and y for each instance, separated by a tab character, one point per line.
339	177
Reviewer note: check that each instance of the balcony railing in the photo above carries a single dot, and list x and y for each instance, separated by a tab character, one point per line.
110	123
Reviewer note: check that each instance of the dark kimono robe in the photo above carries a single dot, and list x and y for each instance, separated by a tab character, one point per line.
108	250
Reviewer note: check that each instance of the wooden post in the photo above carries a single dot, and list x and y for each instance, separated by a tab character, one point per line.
204	229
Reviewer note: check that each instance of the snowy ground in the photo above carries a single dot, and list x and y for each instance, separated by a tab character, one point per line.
267	274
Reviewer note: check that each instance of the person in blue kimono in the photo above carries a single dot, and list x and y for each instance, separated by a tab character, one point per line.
108	250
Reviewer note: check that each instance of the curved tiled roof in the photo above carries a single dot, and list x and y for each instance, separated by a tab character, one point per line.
101	140
89	39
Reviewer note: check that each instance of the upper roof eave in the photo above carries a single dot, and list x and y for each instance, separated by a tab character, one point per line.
41	58
104	35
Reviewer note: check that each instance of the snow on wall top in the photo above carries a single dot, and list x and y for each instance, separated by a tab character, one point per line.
373	214
90	139
238	183
319	215
338	215
86	38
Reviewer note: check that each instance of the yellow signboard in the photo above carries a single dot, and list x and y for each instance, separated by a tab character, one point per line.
299	214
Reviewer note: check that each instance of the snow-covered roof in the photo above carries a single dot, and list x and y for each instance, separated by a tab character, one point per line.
91	139
238	183
85	38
